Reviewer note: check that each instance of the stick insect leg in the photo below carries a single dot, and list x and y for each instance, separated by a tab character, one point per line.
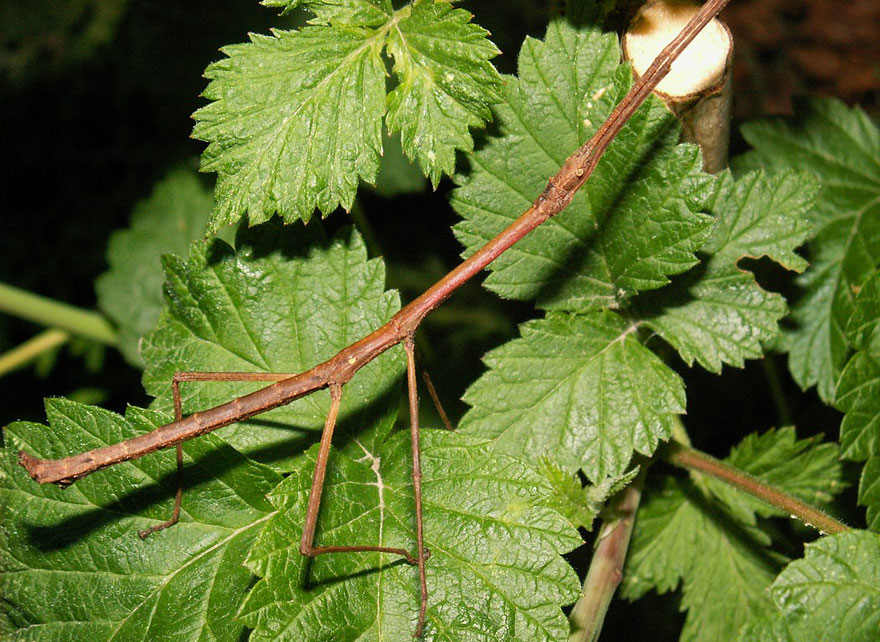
178	415
436	399
308	536
412	386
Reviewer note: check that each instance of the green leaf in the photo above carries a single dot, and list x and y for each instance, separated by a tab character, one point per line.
858	395
295	122
717	313
833	593
130	292
71	564
858	389
580	389
722	565
446	84
296	117
578	504
636	221
494	570
283	301
806	468
841	147
352	12
869	491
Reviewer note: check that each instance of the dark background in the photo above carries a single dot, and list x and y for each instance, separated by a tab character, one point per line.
95	104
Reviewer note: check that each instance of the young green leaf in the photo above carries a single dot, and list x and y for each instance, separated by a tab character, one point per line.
841	147
446	84
635	222
833	593
717	313
580	389
723	565
494	569
577	503
283	301
72	566
807	468
296	117
130	292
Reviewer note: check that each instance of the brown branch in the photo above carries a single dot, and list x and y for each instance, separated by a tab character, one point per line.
339	369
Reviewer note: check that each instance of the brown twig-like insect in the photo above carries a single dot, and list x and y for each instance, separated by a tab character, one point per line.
337	371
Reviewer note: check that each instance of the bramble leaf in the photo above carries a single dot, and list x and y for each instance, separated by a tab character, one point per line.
296	117
71	563
858	395
130	292
716	550
351	12
446	84
717	313
581	389
841	146
635	222
833	593
283	301
580	504
494	569
869	491
723	566
295	122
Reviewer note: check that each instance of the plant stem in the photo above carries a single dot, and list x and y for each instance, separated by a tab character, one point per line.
90	325
691	459
31	349
606	567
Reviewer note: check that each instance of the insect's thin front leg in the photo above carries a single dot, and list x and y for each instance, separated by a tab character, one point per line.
178	415
412	387
308	536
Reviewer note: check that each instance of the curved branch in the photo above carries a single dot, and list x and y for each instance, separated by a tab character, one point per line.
339	369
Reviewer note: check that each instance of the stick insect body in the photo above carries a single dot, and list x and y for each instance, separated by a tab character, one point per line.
337	371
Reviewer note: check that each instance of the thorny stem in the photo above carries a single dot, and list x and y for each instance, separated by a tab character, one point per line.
692	459
33	307
339	369
606	567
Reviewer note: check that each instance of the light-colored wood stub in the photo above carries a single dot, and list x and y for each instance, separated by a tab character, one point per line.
698	88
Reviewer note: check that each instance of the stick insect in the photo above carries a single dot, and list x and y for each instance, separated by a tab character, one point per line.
334	373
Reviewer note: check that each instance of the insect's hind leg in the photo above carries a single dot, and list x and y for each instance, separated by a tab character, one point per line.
178	415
